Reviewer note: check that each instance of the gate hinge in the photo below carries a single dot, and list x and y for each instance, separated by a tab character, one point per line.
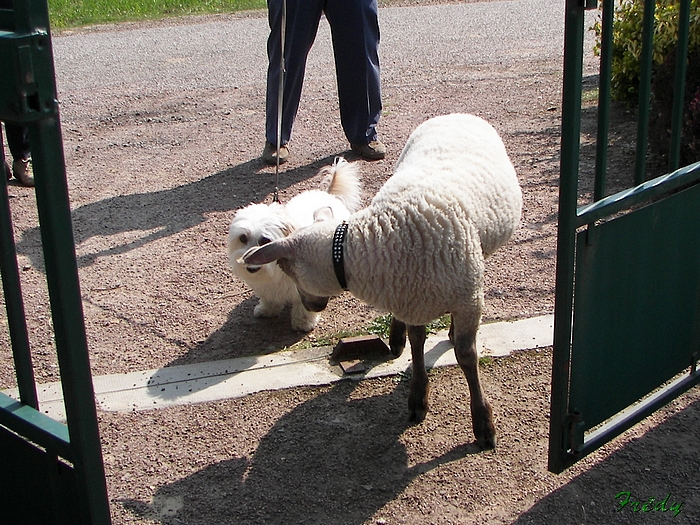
574	423
589	4
591	234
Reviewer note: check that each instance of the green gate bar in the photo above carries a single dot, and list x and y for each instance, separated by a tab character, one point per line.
679	85
601	159
645	73
13	301
566	245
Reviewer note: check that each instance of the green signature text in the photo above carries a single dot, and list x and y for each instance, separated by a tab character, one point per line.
650	505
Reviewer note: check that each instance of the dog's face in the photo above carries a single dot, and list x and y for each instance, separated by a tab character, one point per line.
255	225
305	257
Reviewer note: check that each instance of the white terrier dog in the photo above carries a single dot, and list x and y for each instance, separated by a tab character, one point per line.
259	224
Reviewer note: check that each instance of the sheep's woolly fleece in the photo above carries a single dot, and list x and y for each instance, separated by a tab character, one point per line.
453	196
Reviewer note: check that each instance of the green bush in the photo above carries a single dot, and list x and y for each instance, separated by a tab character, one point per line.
662	109
627	40
626	52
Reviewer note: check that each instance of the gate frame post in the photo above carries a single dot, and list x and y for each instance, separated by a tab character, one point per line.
568	191
28	97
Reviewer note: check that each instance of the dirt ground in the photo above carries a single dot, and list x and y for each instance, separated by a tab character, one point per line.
154	182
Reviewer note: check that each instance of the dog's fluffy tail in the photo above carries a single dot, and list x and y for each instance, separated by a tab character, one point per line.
342	180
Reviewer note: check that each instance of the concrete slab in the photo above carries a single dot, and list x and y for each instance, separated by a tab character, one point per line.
231	378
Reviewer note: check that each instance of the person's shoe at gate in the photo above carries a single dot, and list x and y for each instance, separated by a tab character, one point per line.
23	172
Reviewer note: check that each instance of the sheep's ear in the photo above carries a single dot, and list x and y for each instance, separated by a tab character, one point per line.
267	253
323	214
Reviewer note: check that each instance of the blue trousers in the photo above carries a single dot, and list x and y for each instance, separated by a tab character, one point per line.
355	36
18	141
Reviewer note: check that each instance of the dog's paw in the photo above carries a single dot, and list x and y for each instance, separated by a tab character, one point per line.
305	325
303	320
267	309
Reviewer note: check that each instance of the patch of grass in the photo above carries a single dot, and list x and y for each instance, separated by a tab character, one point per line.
441	323
75	13
485	361
379	326
589	97
329	340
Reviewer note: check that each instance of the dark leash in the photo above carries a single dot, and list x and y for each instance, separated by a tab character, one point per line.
280	98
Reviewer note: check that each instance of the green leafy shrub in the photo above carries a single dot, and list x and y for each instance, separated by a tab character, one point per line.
627	40
625	71
661	114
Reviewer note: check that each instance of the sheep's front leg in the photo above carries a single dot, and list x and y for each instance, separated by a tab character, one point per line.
418	397
482	415
397	337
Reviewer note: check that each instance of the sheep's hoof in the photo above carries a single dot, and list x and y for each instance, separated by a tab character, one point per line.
417	410
484	429
396	351
416	416
486	440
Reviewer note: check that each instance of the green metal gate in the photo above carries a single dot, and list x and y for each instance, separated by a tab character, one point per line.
49	472
627	312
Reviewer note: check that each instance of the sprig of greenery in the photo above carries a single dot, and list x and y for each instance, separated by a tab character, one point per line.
380	325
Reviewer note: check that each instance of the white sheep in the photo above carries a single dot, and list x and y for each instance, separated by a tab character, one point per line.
418	250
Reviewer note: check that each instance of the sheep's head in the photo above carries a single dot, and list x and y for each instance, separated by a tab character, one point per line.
305	256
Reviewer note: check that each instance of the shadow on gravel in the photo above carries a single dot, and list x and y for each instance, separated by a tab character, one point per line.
664	461
333	459
267	335
160	214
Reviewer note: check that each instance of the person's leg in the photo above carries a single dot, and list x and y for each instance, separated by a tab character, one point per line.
18	141
303	17
355	31
6	167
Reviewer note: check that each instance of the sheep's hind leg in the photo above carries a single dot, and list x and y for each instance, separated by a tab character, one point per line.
482	415
418	396
397	337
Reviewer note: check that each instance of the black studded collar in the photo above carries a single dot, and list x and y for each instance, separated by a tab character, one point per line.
338	262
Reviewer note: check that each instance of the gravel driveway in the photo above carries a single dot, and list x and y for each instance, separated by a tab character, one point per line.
163	128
